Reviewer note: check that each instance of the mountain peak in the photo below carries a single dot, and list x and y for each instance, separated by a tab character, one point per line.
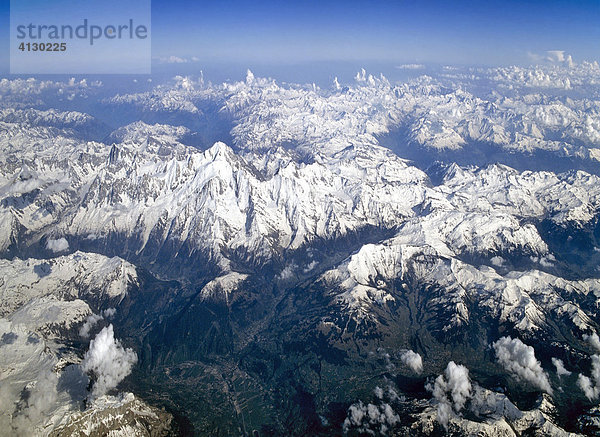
249	77
219	150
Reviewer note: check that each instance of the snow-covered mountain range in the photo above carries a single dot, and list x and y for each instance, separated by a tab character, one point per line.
344	231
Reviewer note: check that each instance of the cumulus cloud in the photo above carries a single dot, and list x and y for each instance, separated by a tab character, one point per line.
393	396
555	55
90	321
451	391
552	57
108	361
373	418
559	56
388	394
93	319
498	261
412	360
287	272
519	359
59	245
370	418
593	340
560	367
591	386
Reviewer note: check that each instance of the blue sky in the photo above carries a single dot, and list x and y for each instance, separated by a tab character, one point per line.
420	31
286	32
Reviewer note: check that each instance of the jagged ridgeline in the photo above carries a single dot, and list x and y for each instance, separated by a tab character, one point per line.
257	258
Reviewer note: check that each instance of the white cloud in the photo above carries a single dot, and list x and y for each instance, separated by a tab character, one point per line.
410	67
555	55
93	319
498	261
519	359
373	419
593	340
59	245
552	57
177	59
412	359
109	362
591	386
287	272
393	396
370	418
455	382
90	321
560	367
310	266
